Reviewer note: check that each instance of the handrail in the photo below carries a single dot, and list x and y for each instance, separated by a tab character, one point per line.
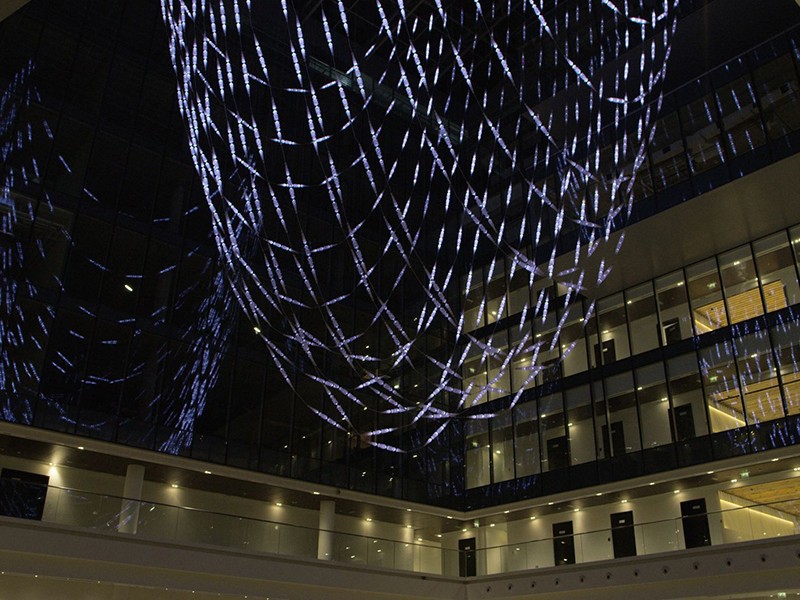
161	521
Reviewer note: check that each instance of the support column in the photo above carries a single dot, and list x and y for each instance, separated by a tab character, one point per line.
132	495
327	518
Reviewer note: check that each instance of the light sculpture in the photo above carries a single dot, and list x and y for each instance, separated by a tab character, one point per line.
421	137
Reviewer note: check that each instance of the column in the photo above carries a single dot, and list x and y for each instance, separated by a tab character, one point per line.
132	494
327	518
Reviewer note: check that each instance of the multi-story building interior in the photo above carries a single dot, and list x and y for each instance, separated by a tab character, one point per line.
221	380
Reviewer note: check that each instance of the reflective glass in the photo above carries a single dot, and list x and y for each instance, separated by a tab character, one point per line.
673	308
651	392
642	318
613	326
740	116
721	385
705	293
526	434
786	339
758	378
776	271
579	425
776	83
552	429
667	155
741	285
703	138
477	454
687	410
502	448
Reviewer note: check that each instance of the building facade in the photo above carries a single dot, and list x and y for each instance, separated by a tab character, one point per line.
634	366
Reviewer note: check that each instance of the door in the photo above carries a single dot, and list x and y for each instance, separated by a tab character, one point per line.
672	331
563	543
22	494
623	534
683	427
617	440
605	353
695	523
557	453
467	565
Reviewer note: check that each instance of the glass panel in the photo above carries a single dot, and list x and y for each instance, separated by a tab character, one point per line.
579	425
705	293
496	295
651	391
622	433
477	455
547	356
642	320
741	285
777	88
673	308
473	303
667	153
519	287
555	445
473	376
794	235
776	271
759	380
522	374
613	330
688	407
502	448
740	117
786	339
499	376
703	139
725	409
600	421
527	438
573	340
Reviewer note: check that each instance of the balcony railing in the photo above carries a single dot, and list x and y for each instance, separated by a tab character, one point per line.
170	523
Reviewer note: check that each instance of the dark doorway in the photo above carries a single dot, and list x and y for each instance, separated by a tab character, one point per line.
563	543
617	440
681	422
672	331
467	563
605	353
695	523
22	494
557	453
623	534
551	370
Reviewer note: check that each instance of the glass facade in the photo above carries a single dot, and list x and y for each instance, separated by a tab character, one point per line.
117	324
654	401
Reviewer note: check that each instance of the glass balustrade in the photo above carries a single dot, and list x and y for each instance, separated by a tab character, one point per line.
162	522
